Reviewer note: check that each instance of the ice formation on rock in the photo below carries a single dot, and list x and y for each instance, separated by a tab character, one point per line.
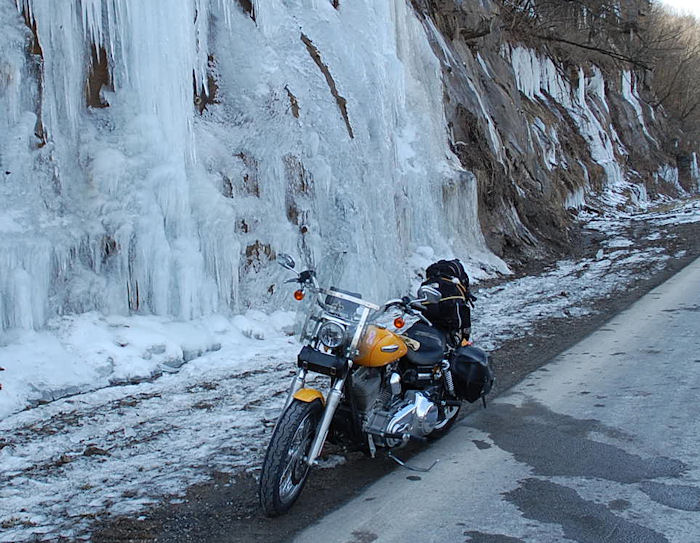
322	131
669	174
695	170
629	92
538	78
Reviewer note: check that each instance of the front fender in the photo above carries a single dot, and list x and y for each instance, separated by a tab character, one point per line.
309	395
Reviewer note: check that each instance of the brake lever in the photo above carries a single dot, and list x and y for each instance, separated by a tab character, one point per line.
422	318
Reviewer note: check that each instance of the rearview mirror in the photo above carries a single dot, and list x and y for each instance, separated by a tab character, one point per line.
429	294
286	261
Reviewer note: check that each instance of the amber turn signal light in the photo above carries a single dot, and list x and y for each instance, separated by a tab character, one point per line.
399	322
298	295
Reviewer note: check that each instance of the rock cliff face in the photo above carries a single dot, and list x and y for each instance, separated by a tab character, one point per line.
547	137
156	155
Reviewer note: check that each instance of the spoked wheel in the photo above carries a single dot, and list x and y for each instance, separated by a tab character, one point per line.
451	416
284	471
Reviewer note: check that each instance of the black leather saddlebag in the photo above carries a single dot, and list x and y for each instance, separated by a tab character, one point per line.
471	373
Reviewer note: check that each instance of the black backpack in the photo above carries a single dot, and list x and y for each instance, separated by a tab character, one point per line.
448	269
452	312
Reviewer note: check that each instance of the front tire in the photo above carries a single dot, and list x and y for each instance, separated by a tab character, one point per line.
284	471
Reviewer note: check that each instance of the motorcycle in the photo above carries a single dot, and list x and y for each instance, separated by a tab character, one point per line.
386	388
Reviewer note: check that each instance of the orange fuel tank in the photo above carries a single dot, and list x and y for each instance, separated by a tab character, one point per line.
379	347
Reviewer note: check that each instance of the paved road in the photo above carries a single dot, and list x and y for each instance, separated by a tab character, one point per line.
600	445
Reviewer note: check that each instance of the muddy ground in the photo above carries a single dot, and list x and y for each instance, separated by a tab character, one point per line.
226	508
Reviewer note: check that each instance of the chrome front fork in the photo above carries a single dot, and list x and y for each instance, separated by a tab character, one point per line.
334	396
297	384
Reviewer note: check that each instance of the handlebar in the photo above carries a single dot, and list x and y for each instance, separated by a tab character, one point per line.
406	303
412	307
307	278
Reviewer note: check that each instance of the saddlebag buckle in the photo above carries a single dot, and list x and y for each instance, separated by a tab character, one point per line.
312	360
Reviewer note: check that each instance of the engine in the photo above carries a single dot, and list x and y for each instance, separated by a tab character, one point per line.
387	412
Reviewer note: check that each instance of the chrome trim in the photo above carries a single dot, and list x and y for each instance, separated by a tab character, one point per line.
343	333
332	401
395	383
297	384
325	317
447	374
401	422
423	406
389	348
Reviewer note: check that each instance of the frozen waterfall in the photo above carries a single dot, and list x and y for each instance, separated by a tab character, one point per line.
155	155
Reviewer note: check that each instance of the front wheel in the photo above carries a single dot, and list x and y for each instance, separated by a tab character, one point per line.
284	471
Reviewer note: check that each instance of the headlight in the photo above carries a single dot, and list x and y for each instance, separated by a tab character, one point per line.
331	335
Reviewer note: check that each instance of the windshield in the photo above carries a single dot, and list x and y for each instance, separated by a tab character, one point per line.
338	299
337	303
330	271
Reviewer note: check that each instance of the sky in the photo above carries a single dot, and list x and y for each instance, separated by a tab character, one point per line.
691	6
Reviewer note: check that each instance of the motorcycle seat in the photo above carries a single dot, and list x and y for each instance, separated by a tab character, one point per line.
431	345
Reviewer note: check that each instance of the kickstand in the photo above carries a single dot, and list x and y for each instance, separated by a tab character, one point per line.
404	465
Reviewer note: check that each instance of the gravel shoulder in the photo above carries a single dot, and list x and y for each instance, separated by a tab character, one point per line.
225	508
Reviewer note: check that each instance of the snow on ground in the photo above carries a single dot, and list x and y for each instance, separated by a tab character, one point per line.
85	352
211	389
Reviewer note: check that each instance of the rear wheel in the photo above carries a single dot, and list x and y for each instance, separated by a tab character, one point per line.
451	414
284	471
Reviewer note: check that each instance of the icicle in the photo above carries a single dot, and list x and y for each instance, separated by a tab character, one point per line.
629	93
149	207
534	74
695	170
92	22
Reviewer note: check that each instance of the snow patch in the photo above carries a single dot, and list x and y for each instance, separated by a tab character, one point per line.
80	353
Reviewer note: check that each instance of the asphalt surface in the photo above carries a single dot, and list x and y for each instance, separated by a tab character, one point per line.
599	445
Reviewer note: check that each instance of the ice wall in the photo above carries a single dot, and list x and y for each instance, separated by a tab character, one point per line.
597	117
695	170
538	78
629	92
669	174
321	131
